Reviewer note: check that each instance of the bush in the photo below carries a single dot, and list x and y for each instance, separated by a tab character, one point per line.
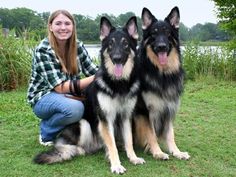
15	62
215	61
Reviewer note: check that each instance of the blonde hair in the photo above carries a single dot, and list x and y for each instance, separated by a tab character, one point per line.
68	61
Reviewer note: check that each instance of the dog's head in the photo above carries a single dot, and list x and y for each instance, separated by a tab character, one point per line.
161	39
118	47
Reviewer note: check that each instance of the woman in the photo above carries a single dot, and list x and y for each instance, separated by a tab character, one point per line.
58	63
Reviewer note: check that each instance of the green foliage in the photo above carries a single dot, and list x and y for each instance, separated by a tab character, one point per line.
23	19
122	18
15	61
20	19
226	12
216	61
205	127
87	29
204	32
184	32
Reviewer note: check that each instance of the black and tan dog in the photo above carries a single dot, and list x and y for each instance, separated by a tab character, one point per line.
161	83
110	102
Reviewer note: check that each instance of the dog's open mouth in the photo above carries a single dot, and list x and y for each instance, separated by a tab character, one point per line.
162	57
118	70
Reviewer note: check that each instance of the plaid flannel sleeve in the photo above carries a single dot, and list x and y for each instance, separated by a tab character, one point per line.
87	65
49	68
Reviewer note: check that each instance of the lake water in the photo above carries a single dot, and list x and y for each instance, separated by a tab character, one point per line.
93	50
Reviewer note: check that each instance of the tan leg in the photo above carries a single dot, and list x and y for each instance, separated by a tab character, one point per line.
146	136
128	140
172	147
107	134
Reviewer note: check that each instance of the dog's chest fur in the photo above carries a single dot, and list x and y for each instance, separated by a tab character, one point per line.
161	92
113	103
117	104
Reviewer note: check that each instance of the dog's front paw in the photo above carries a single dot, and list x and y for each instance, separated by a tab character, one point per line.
182	155
137	161
80	150
118	169
162	156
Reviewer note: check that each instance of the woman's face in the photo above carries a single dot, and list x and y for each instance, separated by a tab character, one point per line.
62	27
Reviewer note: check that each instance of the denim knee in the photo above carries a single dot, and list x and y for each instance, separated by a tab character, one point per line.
74	112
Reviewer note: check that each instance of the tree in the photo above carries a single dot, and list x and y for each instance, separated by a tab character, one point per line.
44	16
226	12
6	18
183	32
210	31
123	18
34	24
87	28
21	20
196	32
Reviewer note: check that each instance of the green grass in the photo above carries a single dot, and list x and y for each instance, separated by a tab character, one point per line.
205	127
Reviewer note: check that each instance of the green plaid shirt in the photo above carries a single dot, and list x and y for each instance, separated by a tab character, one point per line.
46	70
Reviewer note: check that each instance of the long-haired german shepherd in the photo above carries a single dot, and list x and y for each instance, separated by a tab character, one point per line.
110	102
161	83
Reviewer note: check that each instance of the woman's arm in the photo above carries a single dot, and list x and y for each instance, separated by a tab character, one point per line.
85	82
65	86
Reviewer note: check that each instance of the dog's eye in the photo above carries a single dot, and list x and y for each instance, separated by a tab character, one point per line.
153	36
110	44
167	32
125	44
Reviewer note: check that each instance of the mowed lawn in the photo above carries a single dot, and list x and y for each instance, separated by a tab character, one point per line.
205	127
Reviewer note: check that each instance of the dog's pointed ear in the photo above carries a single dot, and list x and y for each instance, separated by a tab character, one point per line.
174	17
105	28
147	18
132	27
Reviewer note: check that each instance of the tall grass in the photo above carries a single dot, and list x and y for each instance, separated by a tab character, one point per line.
15	62
208	61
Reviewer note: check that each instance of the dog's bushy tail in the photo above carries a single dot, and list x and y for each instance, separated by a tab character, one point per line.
58	154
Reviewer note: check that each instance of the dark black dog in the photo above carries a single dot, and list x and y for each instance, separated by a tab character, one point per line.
161	82
110	102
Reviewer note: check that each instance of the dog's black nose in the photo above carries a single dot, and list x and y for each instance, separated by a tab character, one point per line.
161	47
116	58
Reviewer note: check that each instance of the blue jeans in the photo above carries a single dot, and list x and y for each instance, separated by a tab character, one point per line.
56	111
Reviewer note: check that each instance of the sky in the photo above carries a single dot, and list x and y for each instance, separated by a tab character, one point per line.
191	11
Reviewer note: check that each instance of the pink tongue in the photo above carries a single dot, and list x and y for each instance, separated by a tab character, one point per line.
118	70
162	58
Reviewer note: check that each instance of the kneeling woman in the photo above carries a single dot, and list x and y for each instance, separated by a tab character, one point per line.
58	63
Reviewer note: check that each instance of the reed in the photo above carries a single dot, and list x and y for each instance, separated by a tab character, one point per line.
217	61
15	62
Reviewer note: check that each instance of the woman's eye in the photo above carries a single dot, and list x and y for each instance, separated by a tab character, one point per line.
58	23
67	23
